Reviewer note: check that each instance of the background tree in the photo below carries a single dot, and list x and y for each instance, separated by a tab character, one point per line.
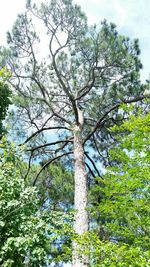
75	87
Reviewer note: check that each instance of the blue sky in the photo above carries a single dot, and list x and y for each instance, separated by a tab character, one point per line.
132	18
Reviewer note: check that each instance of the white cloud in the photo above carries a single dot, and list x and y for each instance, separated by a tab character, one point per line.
121	12
8	11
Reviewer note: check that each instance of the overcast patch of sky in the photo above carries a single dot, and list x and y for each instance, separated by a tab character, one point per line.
131	17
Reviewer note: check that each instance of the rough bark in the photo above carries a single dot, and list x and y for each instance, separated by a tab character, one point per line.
80	198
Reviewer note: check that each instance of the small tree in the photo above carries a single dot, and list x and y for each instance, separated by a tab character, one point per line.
77	89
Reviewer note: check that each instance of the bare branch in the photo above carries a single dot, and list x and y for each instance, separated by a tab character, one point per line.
59	116
44	129
64	87
86	89
66	90
90	169
49	144
94	140
101	121
49	162
89	158
29	166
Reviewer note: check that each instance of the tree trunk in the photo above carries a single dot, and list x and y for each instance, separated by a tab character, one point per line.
80	195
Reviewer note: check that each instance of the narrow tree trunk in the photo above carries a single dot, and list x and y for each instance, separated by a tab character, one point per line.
80	195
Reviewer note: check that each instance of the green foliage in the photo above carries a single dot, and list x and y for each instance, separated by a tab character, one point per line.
29	236
123	213
5	94
110	254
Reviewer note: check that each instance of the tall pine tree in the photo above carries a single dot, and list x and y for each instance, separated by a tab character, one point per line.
71	78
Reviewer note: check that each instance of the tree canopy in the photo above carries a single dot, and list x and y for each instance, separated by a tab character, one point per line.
87	68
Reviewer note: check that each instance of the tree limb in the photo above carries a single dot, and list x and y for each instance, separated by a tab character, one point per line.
64	87
90	169
44	129
89	158
49	144
49	162
101	121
